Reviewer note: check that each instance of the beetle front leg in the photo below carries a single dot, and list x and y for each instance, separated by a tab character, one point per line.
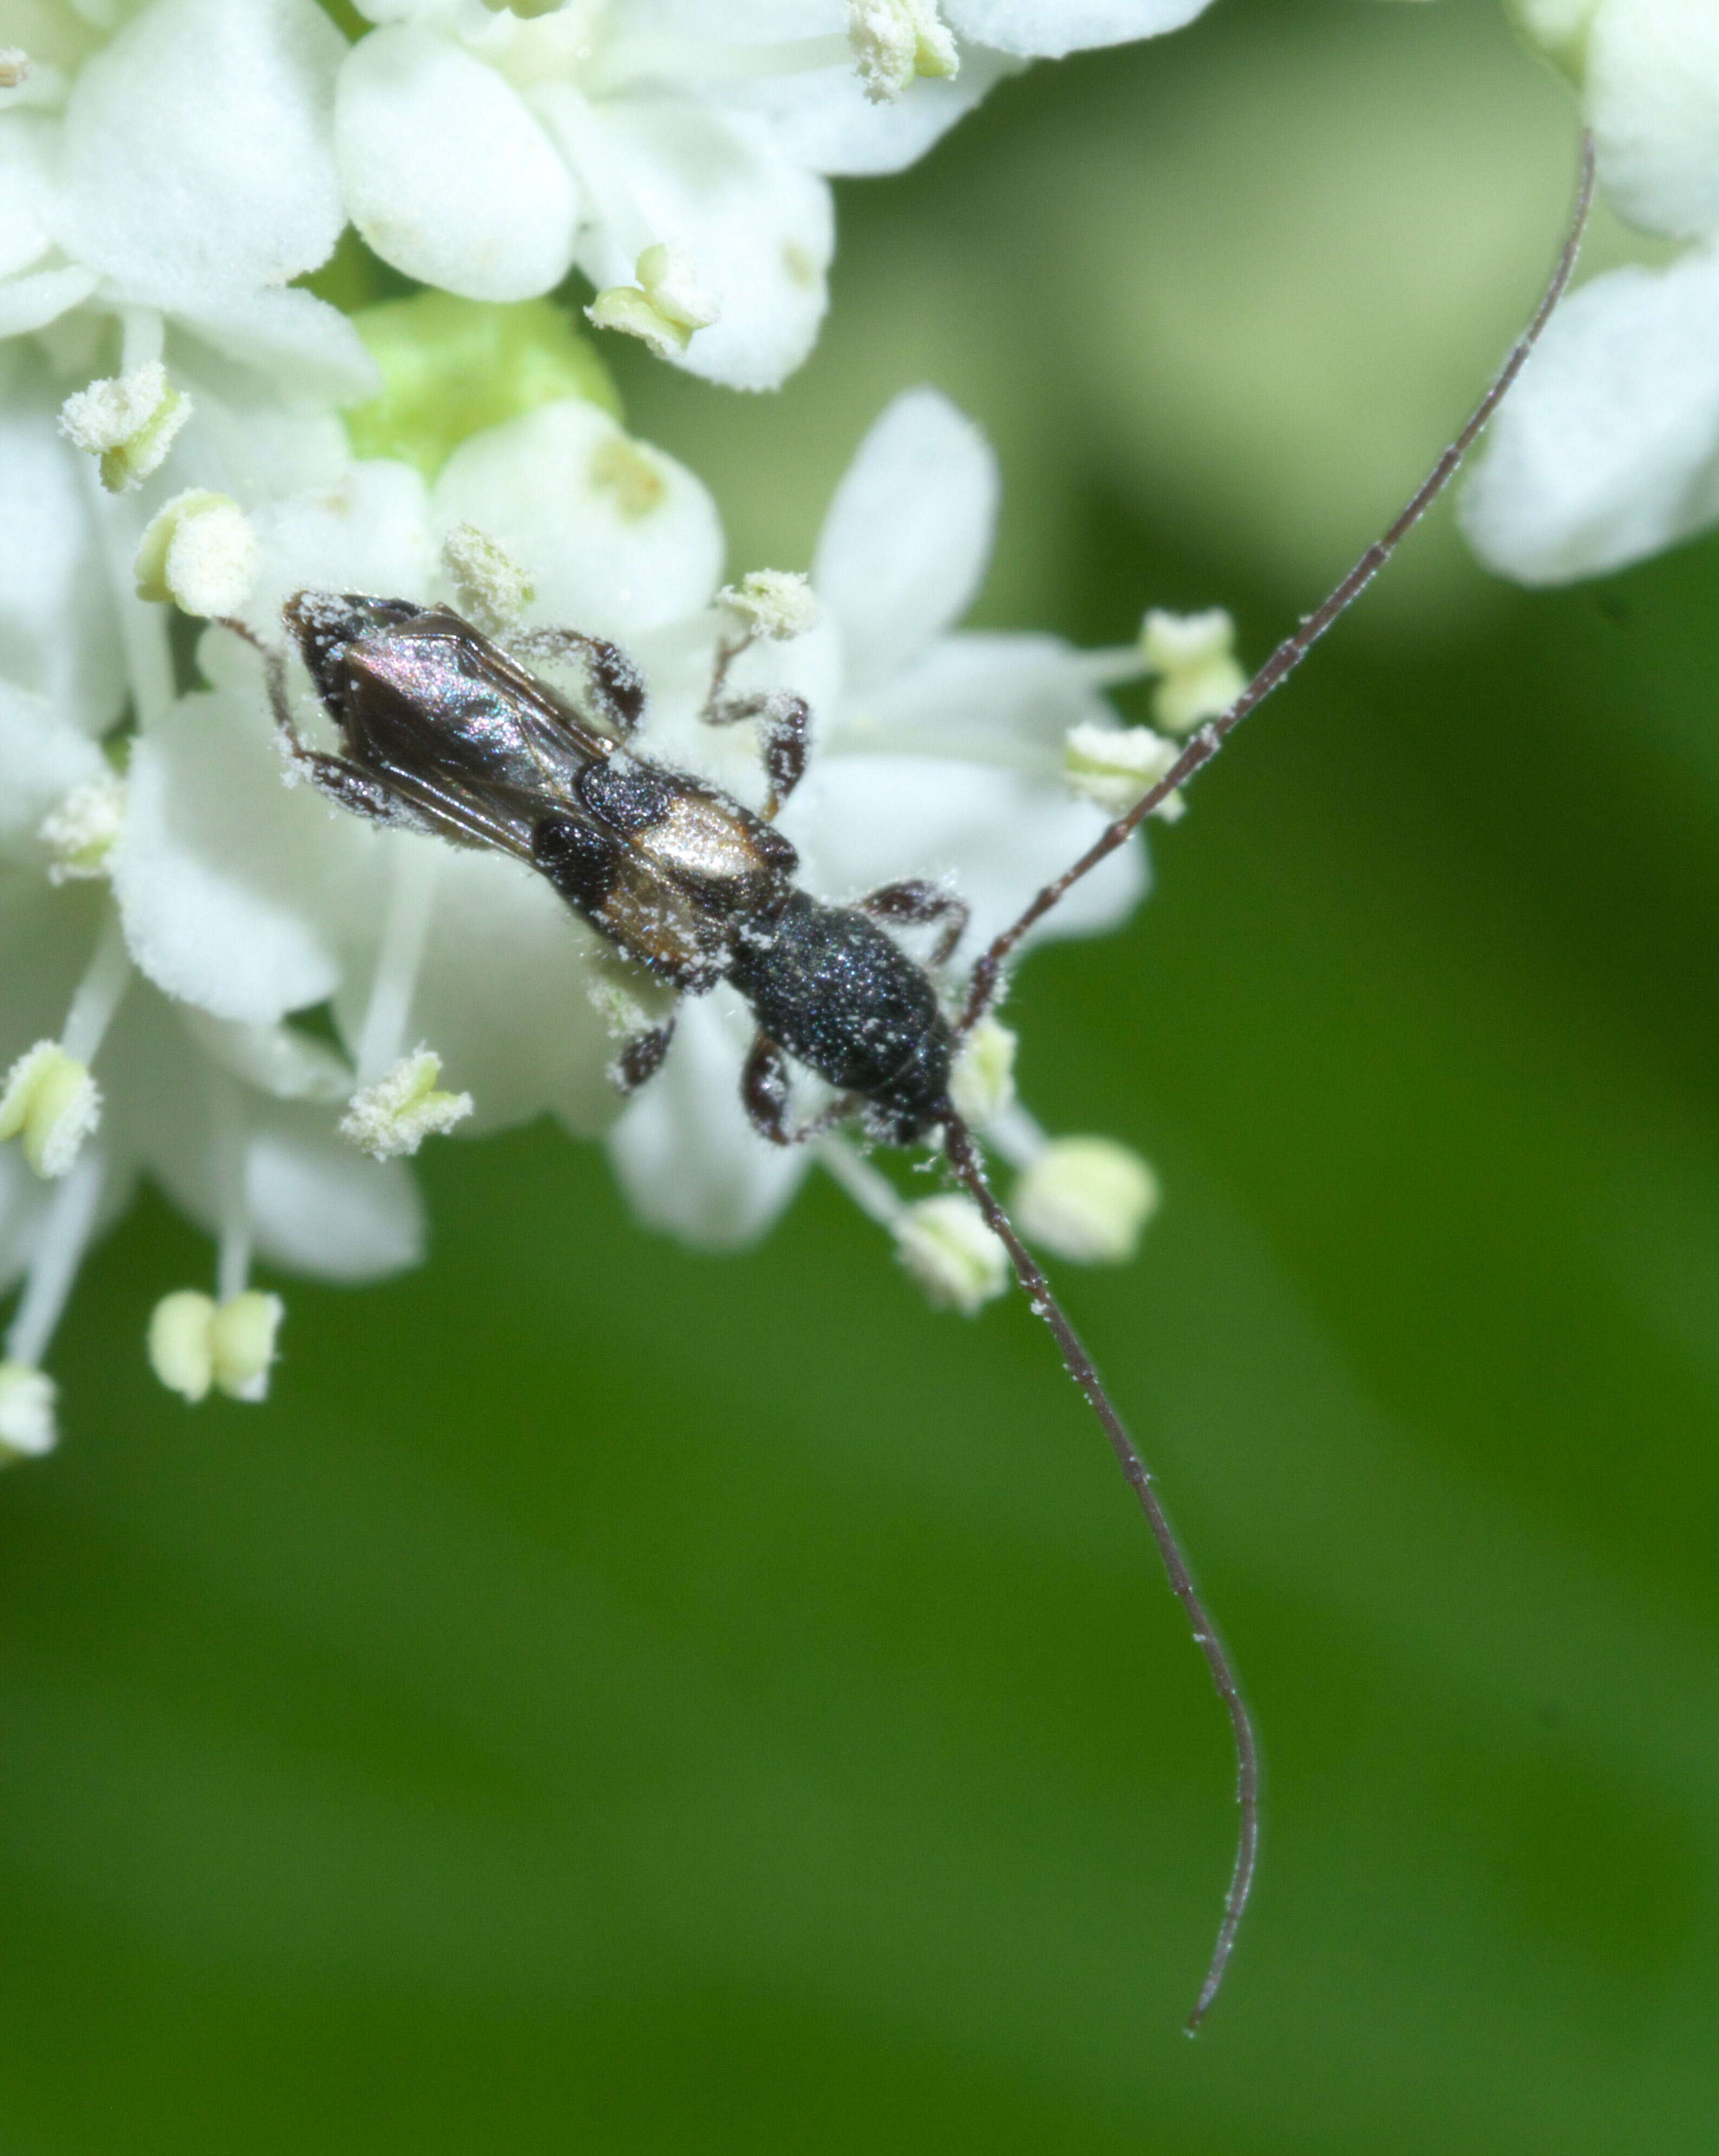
614	684
913	902
784	737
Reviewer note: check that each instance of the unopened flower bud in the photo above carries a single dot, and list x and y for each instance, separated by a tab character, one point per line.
49	1102
127	422
80	832
895	40
944	1242
1115	766
981	1084
775	604
27	1397
1195	655
195	1343
199	553
664	308
403	1108
493	590
1087	1200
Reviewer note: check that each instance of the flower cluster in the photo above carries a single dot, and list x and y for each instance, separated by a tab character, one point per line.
1608	450
210	976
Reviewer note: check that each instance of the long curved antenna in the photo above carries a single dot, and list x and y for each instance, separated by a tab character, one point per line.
1204	745
964	1159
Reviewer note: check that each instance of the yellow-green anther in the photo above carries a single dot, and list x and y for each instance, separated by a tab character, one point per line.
1195	655
894	41
981	1084
1115	766
27	1396
127	422
402	1108
199	553
1087	1200
450	367
493	589
775	604
80	831
51	1104
195	1343
946	1245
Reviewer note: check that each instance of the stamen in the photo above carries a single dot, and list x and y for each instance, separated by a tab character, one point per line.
127	422
404	1106
80	831
60	1243
775	604
493	589
1087	1200
197	553
26	1427
943	1241
97	997
195	1343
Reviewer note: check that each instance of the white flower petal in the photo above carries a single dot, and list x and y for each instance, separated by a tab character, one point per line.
369	532
503	997
447	174
865	820
307	349
318	1207
759	228
42	757
315	1206
615	537
58	634
824	119
1652	93
31	302
688	1160
1046	30
198	150
27	147
909	533
232	888
987	697
1608	448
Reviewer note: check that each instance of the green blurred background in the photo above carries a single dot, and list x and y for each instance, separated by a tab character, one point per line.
611	1700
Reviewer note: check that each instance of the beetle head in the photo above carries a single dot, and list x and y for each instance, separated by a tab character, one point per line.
324	623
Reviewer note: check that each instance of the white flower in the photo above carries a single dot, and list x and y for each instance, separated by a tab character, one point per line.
179	168
215	900
1607	449
674	152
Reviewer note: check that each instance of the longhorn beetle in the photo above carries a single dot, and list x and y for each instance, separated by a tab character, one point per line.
443	732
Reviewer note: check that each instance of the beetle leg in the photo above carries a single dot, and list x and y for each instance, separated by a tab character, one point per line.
613	683
332	776
764	1090
641	1056
914	901
784	738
